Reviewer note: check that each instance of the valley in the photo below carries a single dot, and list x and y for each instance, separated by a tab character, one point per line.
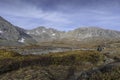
49	54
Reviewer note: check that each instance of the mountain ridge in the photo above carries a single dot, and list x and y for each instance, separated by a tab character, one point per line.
77	34
9	32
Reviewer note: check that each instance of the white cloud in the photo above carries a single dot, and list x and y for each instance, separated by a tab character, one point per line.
31	11
30	15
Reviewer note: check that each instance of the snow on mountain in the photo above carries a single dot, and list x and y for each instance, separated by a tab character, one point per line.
22	40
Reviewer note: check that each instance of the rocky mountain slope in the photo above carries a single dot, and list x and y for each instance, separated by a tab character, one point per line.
42	34
92	34
10	33
79	34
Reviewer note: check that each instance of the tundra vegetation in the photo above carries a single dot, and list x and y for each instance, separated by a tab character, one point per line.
70	65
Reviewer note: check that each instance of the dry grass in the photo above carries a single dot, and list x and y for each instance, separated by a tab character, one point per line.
32	66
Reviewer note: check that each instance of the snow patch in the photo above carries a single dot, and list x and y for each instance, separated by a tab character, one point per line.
53	34
1	31
43	31
28	32
22	40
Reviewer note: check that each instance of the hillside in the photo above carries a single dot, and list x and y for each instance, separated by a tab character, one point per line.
10	33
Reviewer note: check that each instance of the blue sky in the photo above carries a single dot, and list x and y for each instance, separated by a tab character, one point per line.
62	14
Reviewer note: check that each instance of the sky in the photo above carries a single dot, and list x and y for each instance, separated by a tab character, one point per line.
62	14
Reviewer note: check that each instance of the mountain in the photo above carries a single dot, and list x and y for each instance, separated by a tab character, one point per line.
12	35
42	34
8	31
92	32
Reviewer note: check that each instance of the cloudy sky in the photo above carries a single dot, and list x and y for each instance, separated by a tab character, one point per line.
62	14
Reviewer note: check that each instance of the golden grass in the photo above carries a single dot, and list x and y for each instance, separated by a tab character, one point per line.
12	60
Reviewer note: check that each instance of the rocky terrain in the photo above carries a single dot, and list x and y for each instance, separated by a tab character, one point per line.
43	34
